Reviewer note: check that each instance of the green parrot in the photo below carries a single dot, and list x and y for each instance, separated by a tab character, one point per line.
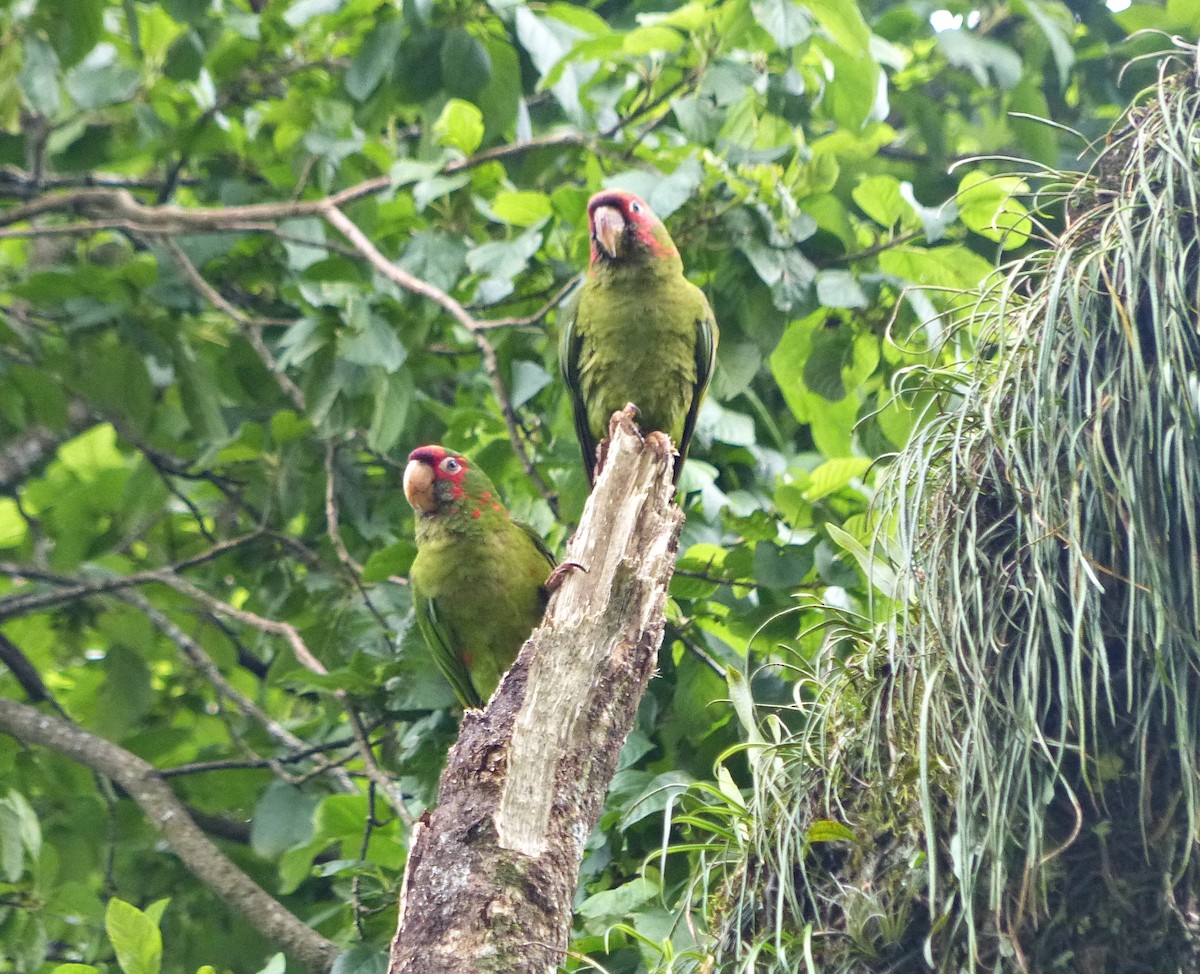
638	332
480	580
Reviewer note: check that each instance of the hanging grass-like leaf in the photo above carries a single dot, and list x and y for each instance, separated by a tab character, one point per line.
1016	751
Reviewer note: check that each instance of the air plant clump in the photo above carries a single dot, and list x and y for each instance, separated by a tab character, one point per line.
1014	755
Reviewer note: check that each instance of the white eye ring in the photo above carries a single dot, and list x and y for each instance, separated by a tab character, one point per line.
635	207
451	465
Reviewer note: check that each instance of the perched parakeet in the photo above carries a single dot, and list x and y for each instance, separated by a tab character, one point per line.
638	331
480	579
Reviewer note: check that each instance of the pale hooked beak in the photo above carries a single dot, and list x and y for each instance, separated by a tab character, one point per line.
608	227
418	486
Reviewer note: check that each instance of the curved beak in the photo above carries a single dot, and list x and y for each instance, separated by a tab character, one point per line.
418	486
608	229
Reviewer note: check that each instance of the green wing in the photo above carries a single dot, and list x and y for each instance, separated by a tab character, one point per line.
540	544
706	359
570	345
437	637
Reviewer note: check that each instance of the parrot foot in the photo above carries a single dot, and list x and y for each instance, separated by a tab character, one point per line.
560	574
660	443
621	419
624	419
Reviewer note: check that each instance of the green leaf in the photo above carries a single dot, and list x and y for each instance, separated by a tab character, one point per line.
393	396
375	59
460	126
200	395
879	198
827	830
981	56
951	267
989	205
435	187
135	938
580	18
619	902
302	11
98	80
844	23
466	63
500	98
298	232
276	965
282	819
92	452
375	345
521	209
528	379
395	559
840	289
781	566
786	21
287	426
501	262
340	817
880	574
726	426
361	959
156	910
833	475
651	39
853	94
73	26
13	528
1057	36
39	77
12	851
659	792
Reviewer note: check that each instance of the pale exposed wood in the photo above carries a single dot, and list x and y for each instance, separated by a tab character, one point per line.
492	871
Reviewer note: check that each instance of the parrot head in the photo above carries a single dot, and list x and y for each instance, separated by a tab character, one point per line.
623	227
438	481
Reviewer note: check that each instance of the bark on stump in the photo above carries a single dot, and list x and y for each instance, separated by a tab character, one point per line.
492	870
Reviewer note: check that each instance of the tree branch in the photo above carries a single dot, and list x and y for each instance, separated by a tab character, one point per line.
492	871
168	815
24	454
117	205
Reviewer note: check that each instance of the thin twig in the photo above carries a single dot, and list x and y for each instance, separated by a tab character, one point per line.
72	588
332	520
247	325
535	318
195	653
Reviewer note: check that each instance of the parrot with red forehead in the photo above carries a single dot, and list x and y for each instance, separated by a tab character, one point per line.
638	331
480	580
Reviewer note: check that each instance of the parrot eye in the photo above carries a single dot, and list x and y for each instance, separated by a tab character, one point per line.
450	465
635	207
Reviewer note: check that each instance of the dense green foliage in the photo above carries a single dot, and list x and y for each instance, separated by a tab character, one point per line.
1026	702
202	417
